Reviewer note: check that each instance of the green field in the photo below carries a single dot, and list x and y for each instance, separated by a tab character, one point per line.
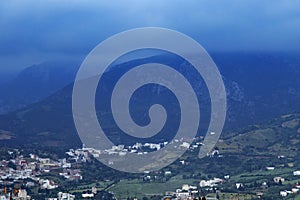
137	188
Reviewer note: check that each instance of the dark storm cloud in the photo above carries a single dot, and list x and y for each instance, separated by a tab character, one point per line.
40	30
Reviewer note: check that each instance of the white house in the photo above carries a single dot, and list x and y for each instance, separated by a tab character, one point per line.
239	185
278	179
295	190
185	145
296	173
283	193
270	168
185	187
88	195
65	196
168	173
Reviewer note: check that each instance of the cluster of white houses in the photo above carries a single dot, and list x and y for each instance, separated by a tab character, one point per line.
137	148
190	192
294	190
28	171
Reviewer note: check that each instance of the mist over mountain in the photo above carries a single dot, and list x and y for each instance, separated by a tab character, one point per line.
35	83
259	87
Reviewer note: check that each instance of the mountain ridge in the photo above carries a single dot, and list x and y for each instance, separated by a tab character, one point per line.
50	123
35	83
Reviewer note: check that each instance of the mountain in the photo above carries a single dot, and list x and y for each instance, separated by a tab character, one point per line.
6	77
259	87
36	83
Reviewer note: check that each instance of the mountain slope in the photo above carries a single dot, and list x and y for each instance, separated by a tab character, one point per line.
36	83
259	87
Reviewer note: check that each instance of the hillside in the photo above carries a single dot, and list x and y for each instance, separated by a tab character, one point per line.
258	89
35	83
243	156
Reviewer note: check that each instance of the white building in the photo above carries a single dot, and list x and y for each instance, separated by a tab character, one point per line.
185	187
47	184
167	173
22	194
295	190
185	145
87	195
210	183
270	168
296	173
283	193
227	177
239	185
278	179
65	196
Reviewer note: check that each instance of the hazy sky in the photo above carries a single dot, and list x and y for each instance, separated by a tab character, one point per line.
35	31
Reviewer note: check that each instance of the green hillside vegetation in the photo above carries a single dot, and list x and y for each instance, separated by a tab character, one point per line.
245	155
